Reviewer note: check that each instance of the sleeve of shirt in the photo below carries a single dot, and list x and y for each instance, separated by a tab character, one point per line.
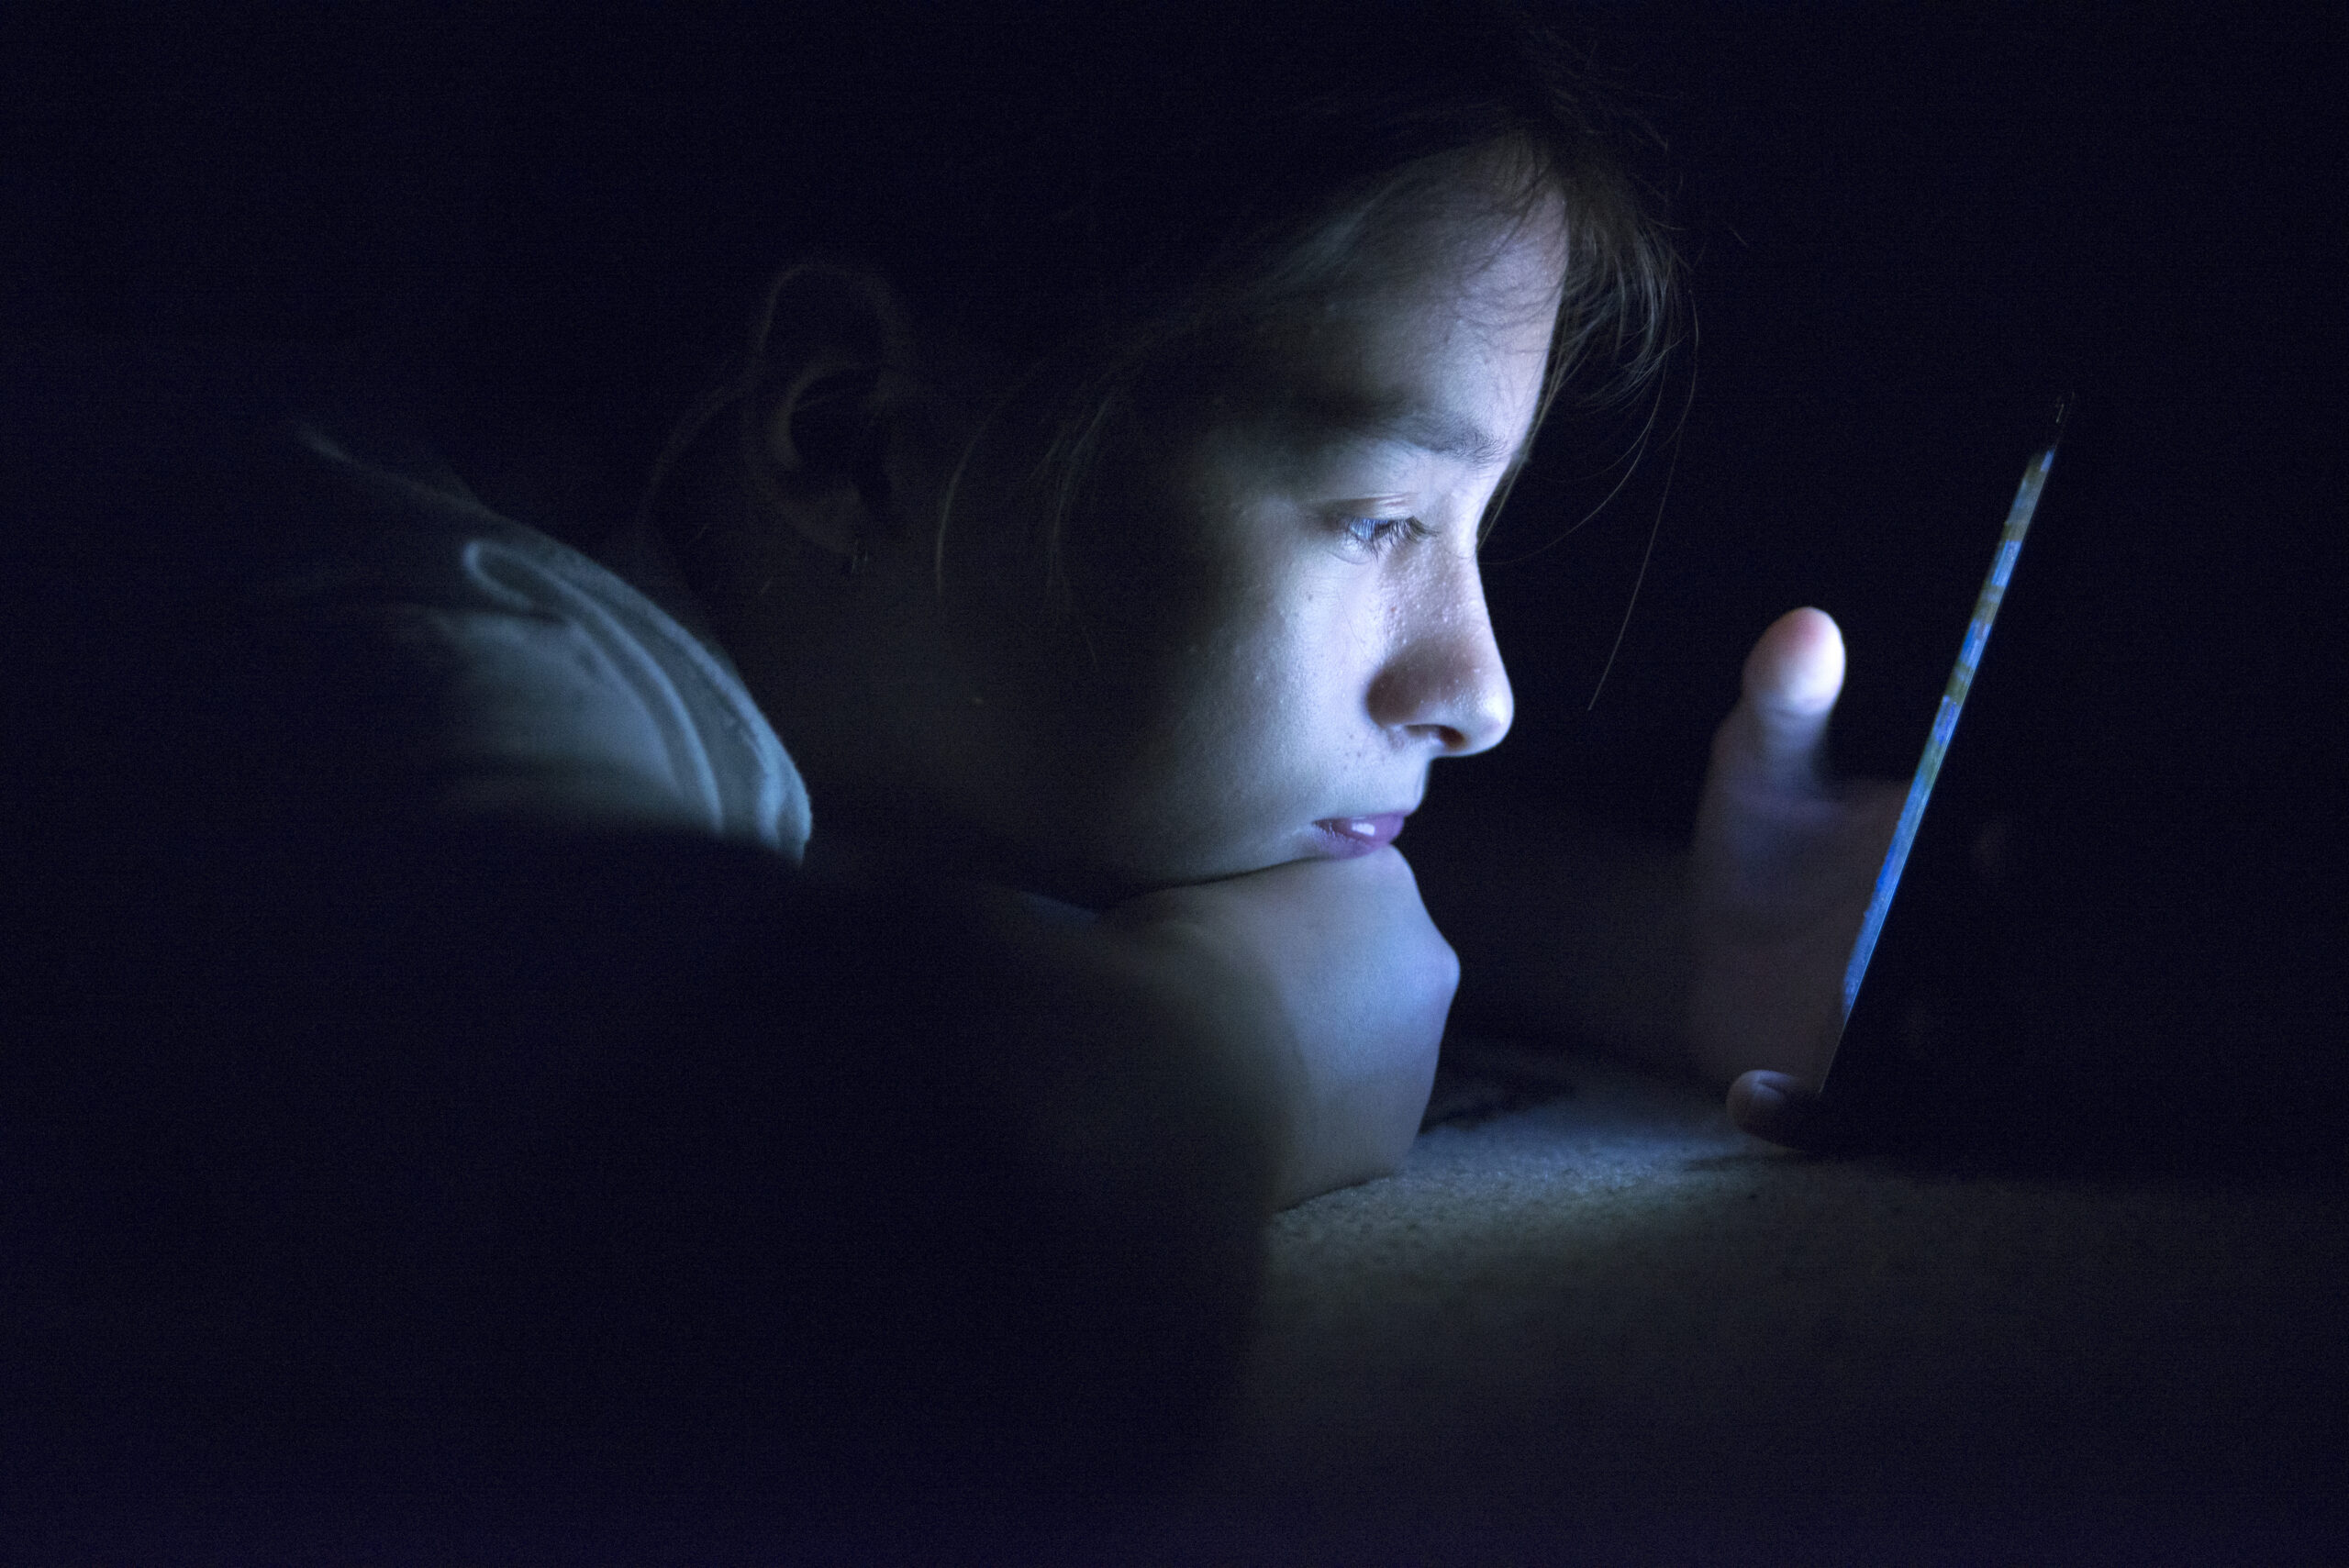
458	662
423	1051
269	667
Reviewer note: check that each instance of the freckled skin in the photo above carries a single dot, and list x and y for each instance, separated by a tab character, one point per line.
1248	666
1277	625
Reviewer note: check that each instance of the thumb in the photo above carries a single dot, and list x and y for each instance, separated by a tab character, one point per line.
1792	679
1782	1108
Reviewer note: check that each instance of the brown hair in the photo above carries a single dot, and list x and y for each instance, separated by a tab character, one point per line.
1087	189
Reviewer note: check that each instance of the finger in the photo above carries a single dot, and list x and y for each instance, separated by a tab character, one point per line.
1792	679
1778	1106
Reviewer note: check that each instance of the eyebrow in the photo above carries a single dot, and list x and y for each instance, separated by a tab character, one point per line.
1414	424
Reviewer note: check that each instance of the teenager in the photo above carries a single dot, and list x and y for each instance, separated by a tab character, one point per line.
894	905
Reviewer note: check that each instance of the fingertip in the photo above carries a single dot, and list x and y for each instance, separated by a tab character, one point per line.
1797	663
1774	1105
1753	1099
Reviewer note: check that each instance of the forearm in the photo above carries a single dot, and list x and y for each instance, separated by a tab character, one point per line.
1175	1056
1317	992
1115	1059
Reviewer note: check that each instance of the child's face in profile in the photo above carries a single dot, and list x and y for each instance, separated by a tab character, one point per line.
1282	618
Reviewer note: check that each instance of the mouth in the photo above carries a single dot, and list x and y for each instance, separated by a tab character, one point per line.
1345	836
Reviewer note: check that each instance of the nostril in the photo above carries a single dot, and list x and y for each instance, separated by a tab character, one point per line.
1448	690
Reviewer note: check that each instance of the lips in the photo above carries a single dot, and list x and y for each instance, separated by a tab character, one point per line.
1359	835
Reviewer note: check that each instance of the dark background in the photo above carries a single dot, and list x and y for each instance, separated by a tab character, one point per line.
1905	235
1906	232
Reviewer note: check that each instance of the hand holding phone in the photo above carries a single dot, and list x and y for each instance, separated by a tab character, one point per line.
1782	867
1834	1071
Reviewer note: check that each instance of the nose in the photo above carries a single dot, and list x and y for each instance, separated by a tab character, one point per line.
1442	678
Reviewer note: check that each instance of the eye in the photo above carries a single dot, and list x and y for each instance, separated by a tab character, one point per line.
1378	534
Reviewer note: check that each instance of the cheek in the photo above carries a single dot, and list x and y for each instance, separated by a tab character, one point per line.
1170	612
1154	582
1227	660
1264	706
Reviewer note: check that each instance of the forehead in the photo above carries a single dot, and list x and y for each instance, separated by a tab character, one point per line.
1406	416
1437	338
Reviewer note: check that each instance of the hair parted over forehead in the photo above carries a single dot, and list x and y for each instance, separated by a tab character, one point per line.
1083	190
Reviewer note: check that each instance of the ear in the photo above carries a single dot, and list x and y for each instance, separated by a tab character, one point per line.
837	354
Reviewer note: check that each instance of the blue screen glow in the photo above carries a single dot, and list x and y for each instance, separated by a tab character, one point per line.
1921	789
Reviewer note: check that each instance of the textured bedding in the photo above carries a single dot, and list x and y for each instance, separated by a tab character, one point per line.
1611	1312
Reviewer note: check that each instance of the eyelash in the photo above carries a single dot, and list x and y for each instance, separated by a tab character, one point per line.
1378	535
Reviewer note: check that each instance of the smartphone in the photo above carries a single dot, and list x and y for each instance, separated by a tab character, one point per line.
1888	1022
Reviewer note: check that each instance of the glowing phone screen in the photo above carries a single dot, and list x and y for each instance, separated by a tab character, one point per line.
1961	677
